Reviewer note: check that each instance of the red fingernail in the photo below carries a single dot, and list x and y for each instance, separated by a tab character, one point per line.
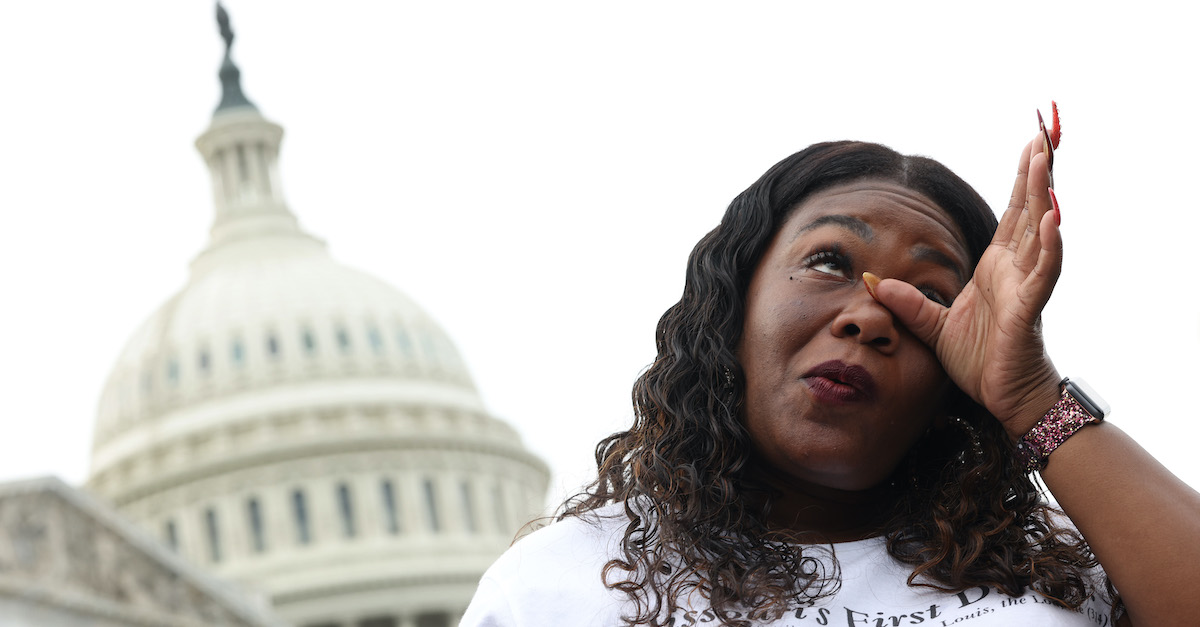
1055	127
1047	143
1057	212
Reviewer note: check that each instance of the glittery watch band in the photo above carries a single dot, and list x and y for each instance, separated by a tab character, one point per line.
1061	422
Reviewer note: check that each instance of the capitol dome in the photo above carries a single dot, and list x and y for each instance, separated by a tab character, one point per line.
302	427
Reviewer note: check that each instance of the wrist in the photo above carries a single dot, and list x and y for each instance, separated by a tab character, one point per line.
1039	399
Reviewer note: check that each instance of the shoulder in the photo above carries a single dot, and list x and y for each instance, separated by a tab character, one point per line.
553	575
589	538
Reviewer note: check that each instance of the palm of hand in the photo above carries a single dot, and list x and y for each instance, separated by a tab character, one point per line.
990	341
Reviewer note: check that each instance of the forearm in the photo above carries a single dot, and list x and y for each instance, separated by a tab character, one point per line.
1142	522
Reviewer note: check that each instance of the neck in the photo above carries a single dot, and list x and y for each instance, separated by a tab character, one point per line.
813	514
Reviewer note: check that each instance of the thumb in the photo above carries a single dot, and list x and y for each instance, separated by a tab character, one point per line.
921	316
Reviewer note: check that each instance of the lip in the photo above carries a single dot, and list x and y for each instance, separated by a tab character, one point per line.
837	382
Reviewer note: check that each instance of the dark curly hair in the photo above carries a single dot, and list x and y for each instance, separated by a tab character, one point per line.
962	514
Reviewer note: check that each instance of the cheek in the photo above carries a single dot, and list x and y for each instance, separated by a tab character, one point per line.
771	352
782	322
927	385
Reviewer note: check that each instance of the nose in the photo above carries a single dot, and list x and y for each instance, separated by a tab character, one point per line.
867	322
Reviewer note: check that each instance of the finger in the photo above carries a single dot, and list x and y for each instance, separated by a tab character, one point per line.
1041	281
921	316
1016	201
1037	205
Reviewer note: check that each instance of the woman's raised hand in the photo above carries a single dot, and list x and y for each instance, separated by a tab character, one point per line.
989	340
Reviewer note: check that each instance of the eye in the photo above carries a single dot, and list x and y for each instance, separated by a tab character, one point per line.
936	297
830	261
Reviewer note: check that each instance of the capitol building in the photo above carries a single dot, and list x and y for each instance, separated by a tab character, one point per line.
302	440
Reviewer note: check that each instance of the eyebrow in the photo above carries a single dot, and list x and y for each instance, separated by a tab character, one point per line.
858	227
925	253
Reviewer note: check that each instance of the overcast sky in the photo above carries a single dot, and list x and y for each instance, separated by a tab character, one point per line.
535	174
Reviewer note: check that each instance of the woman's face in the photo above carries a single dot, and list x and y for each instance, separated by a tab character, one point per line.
836	390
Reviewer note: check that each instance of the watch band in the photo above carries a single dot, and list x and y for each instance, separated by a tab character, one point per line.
1077	408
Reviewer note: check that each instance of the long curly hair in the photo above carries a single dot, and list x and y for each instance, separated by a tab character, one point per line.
962	514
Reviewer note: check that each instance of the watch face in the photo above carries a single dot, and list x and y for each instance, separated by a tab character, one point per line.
1091	402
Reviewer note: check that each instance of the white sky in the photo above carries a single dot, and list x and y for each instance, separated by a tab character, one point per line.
535	174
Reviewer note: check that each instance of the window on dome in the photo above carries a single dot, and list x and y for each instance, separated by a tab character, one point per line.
238	353
501	507
173	372
391	514
171	535
464	490
310	342
272	346
378	621
431	507
203	361
376	340
343	339
258	538
214	534
300	510
404	342
346	506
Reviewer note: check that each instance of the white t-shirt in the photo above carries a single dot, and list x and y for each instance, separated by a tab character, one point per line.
553	578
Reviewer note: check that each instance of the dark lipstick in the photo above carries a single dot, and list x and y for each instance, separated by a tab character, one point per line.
837	382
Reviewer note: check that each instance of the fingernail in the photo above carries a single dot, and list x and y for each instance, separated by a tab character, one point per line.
1047	144
1055	126
870	280
1057	212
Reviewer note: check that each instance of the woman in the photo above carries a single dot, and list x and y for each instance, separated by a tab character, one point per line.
809	449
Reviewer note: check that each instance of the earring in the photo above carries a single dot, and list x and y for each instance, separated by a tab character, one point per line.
726	396
974	442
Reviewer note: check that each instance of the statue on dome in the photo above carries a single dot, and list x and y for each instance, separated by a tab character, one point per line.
226	31
231	78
